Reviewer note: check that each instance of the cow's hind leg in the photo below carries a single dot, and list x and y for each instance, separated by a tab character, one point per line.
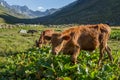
108	50
101	56
103	38
102	50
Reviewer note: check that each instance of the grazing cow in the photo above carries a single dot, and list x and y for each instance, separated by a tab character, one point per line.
87	37
44	38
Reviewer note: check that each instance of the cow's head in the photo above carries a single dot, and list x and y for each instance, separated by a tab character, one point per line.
43	40
58	42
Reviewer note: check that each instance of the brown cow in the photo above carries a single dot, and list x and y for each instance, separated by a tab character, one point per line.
43	39
88	37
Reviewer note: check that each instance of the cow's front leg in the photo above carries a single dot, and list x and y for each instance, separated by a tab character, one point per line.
75	55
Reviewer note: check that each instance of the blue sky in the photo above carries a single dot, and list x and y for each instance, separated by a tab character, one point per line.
40	4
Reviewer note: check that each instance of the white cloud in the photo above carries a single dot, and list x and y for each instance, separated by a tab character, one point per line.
40	8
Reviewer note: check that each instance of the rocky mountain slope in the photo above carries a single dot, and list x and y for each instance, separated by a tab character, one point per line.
24	10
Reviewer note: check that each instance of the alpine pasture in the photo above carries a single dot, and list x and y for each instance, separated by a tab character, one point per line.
21	60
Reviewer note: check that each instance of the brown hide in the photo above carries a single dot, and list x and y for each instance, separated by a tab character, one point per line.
87	37
44	38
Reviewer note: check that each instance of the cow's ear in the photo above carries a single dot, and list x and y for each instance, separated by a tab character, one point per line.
66	37
47	37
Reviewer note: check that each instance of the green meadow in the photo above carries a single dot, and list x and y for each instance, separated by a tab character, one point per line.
21	60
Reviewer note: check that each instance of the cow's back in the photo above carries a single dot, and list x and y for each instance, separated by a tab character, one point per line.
87	37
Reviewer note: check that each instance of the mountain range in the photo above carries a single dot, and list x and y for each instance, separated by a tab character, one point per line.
78	12
24	10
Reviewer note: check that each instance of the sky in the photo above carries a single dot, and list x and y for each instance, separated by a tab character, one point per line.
40	5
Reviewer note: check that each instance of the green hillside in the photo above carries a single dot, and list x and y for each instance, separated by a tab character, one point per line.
2	10
7	16
87	11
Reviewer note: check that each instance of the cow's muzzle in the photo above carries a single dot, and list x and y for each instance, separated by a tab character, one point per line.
55	52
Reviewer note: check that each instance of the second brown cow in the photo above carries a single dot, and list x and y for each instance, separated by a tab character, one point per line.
88	37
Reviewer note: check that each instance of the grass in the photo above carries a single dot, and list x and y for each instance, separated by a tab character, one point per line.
21	60
11	41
